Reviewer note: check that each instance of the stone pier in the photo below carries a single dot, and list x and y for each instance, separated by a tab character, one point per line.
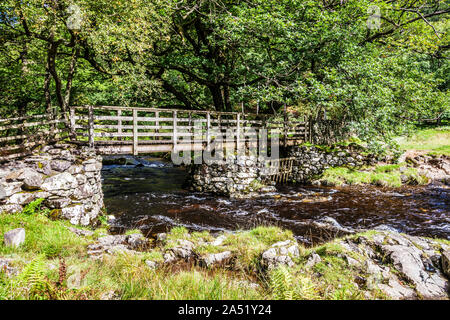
67	177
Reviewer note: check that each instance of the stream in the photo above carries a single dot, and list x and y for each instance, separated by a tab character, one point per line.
150	196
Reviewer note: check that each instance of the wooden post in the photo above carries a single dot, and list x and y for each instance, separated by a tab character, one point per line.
91	127
285	126
305	134
135	133
119	129
208	124
191	129
238	132
72	124
174	131
157	124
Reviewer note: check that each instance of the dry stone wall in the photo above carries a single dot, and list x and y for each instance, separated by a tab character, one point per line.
247	176
238	177
67	177
311	160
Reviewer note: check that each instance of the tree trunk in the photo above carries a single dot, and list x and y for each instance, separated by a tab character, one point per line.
70	75
217	97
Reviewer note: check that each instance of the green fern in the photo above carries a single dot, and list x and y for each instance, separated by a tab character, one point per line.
281	284
33	206
34	280
286	287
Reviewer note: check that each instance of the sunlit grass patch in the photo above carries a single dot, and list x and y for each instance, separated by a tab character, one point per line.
435	140
42	235
384	175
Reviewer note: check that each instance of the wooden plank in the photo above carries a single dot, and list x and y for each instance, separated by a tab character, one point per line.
91	127
72	121
208	125
174	131
37	116
119	125
30	124
135	132
204	112
30	136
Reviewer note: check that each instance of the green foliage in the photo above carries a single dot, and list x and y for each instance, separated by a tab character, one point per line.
33	278
34	207
311	55
383	175
285	285
133	231
43	236
281	284
271	235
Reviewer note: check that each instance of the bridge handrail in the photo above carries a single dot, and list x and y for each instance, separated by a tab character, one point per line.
22	134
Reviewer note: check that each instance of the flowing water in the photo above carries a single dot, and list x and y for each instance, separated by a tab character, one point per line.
151	197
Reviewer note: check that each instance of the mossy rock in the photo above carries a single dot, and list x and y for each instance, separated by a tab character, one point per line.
55	214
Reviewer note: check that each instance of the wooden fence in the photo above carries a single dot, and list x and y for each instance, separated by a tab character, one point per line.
20	135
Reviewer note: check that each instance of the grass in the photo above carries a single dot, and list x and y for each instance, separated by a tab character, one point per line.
53	264
434	140
381	175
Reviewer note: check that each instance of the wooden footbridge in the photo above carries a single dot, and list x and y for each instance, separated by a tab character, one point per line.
128	130
121	130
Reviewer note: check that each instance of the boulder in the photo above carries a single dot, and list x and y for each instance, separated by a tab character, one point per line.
212	260
313	260
80	232
184	250
280	253
219	240
136	241
390	256
396	291
112	244
14	237
445	263
408	261
11	208
331	224
151	264
2	193
62	181
32	180
60	165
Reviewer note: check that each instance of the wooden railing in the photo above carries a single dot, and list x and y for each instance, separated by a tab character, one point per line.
113	129
128	130
20	135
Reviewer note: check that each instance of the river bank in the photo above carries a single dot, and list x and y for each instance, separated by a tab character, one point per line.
58	261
